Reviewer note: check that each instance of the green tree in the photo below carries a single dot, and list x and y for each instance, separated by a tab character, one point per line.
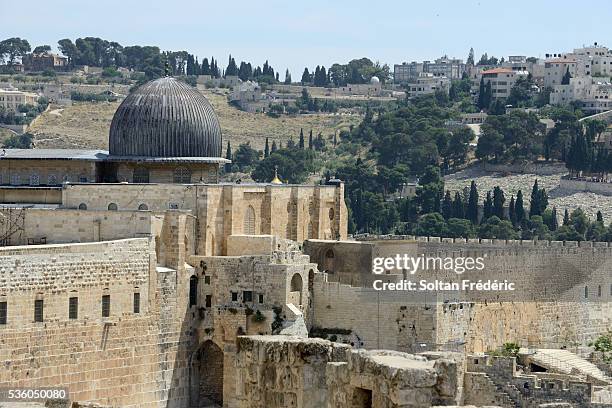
447	206
566	77
301	141
431	225
460	228
498	202
245	156
495	228
488	206
266	149
472	209
458	206
287	77
228	156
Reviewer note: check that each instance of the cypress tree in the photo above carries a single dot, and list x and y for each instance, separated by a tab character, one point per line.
310	140
472	210
566	218
301	142
458	210
266	149
488	206
481	94
566	77
511	211
273	148
447	206
534	208
554	222
600	217
498	202
335	139
519	209
228	156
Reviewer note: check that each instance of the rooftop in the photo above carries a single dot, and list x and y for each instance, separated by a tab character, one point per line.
53	154
497	71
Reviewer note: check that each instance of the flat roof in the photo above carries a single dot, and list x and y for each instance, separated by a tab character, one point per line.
97	155
53	154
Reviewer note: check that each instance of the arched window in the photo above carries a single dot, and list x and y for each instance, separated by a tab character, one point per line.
249	221
193	291
331	214
182	175
82	206
141	175
34	180
112	207
143	207
52	180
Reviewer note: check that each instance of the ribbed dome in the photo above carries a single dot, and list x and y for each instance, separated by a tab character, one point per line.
165	118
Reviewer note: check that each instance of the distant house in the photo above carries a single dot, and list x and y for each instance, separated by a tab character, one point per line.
11	98
427	83
44	61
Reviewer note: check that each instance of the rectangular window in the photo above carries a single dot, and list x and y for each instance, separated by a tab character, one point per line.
73	308
38	310
3	312
247	296
136	302
105	305
260	298
207	280
234	296
208	300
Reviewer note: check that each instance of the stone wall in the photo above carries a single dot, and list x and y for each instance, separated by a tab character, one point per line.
284	371
286	211
163	173
588	186
549	308
46	172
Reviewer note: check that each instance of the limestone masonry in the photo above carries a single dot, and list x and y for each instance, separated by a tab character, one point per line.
134	279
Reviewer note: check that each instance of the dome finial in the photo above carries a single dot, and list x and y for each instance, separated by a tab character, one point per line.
276	180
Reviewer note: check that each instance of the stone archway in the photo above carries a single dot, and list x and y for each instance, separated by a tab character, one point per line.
210	369
296	289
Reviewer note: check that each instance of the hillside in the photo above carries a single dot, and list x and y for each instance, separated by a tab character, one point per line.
85	125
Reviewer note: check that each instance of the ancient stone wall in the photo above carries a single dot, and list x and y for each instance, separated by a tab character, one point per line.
563	297
284	371
287	211
46	172
163	173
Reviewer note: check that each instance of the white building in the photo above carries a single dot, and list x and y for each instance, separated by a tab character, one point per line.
373	88
427	83
452	68
11	98
501	79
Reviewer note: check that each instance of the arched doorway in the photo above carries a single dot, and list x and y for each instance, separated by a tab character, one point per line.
296	288
210	365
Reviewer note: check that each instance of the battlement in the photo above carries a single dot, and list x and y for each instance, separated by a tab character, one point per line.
484	242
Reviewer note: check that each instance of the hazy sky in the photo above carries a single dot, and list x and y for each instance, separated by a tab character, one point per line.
292	34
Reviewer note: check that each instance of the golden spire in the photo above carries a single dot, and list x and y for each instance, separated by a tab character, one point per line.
276	180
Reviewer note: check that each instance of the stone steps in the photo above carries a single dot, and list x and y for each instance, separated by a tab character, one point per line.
566	362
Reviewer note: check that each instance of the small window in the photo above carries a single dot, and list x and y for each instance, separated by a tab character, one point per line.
106	305
207	280
3	312
112	207
208	300
52	180
247	296
599	291
143	207
234	296
82	179
331	214
38	310
193	291
82	206
34	180
73	308
141	175
260	298
137	302
586	292
182	175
